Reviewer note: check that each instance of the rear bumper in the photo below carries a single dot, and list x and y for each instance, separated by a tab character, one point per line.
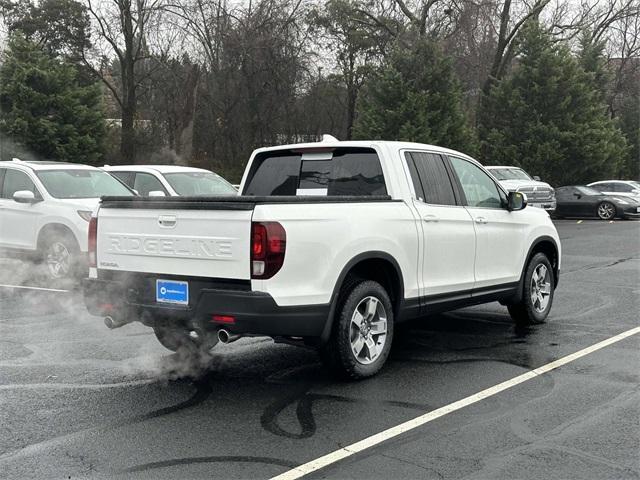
253	312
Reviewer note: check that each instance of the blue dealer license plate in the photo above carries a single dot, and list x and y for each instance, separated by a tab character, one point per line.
169	291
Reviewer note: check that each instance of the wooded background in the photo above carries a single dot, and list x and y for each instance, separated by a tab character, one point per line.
549	85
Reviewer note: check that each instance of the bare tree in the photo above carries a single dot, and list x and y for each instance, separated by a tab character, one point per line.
122	27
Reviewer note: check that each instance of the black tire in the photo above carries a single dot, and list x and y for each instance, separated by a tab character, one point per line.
606	211
526	312
338	354
60	254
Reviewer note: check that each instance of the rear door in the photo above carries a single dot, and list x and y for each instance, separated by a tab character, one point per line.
500	234
447	228
194	240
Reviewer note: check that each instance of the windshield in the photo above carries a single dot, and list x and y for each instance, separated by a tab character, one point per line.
589	191
74	183
635	185
196	184
509	174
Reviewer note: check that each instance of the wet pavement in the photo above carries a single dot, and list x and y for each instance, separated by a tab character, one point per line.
78	400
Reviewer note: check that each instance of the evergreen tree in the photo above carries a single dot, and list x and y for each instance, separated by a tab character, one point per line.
549	118
416	97
44	109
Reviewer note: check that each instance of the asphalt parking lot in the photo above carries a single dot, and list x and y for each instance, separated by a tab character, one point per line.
78	400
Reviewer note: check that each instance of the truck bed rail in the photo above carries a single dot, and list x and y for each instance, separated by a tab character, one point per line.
241	202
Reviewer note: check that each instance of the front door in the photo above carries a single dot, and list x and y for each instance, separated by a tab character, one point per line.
18	221
500	234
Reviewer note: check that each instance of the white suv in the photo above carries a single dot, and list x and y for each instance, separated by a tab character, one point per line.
625	188
45	209
171	180
539	194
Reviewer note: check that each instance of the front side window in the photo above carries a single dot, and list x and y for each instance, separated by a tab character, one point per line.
434	183
125	177
14	181
81	183
196	184
623	187
145	183
340	171
479	188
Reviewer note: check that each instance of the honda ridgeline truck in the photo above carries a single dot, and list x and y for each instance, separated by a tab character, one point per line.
328	244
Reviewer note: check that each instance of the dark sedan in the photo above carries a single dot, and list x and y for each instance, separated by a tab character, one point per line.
580	201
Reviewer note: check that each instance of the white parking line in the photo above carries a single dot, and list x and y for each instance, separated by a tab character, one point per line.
36	288
392	432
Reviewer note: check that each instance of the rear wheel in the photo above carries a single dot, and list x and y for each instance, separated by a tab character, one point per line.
363	331
538	292
606	211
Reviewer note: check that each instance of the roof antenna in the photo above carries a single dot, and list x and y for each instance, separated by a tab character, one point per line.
329	138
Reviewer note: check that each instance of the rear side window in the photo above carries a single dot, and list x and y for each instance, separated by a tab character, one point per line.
2	170
14	181
341	171
432	177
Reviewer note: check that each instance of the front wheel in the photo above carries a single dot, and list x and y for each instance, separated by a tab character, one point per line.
61	255
361	337
606	211
537	297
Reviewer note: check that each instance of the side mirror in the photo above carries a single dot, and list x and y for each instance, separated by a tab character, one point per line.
24	196
157	193
577	195
536	178
517	201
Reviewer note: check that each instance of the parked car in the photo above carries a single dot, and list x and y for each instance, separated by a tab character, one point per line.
582	201
515	179
330	245
619	188
45	209
171	180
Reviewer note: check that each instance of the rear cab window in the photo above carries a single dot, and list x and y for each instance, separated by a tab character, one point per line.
340	171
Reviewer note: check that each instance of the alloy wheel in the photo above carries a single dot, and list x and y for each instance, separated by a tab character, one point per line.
58	260
368	330
606	211
540	288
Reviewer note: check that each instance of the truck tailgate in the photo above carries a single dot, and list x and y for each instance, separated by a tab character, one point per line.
211	243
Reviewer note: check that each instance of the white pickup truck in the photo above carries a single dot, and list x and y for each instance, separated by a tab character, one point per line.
329	244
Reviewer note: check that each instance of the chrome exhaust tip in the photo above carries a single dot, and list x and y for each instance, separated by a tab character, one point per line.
112	323
225	337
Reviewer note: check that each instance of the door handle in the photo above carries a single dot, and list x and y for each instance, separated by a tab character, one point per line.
481	220
167	221
430	218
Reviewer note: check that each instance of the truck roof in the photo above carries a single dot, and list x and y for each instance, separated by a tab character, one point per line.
362	144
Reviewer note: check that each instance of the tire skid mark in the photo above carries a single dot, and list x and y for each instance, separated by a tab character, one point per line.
304	410
203	391
214	459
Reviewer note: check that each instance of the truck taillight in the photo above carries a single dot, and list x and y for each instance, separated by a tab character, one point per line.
93	236
268	245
